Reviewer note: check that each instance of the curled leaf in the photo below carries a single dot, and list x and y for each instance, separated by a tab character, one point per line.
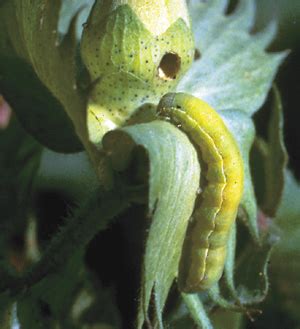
173	183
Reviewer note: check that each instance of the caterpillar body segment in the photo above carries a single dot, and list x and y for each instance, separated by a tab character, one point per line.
204	250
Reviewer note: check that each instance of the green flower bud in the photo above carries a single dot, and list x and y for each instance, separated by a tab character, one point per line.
135	51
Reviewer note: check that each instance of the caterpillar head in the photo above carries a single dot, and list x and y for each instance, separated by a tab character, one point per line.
135	51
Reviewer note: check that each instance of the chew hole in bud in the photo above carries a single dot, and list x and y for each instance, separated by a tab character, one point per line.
169	66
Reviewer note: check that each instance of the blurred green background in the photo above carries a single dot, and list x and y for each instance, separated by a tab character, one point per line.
64	179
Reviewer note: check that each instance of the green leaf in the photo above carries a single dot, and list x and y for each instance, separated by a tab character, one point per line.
37	41
234	71
251	272
173	184
258	159
277	163
285	260
245	278
38	111
270	160
289	209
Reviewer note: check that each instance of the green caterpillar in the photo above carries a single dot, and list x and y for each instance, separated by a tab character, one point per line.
134	59
204	251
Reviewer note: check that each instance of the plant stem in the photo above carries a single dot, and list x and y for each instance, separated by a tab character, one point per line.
93	216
